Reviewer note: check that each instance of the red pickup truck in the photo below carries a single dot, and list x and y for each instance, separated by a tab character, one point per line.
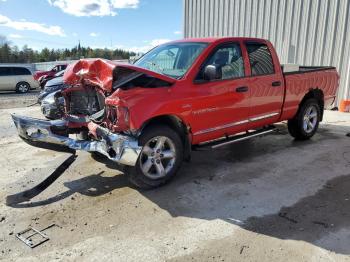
180	96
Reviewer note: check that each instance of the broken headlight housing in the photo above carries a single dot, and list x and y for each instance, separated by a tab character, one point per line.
118	117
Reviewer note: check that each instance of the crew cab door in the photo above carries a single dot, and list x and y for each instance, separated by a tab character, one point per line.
266	84
220	106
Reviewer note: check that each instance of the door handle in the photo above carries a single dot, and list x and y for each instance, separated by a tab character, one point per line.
241	89
276	83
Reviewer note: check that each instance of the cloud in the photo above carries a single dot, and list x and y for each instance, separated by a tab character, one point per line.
31	26
75	34
145	48
93	34
15	36
93	7
177	32
120	4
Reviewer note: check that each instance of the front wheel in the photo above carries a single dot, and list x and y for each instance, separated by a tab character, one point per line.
160	158
22	87
305	124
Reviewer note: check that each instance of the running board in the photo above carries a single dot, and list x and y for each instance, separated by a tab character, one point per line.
237	138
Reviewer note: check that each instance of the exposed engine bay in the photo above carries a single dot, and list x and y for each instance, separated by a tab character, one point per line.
84	102
102	124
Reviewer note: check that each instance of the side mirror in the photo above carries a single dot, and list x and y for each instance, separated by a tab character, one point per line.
212	72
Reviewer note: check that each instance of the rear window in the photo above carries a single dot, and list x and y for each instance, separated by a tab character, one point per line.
260	59
20	71
5	71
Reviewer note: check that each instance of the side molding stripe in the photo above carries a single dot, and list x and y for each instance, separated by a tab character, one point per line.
212	129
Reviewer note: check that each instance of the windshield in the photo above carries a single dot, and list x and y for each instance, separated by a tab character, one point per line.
171	59
59	73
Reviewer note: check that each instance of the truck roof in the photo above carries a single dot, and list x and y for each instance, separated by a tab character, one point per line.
218	39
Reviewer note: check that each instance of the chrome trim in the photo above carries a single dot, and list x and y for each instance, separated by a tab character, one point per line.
119	148
204	131
263	117
221	127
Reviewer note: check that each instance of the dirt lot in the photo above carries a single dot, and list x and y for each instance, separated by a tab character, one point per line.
267	199
12	99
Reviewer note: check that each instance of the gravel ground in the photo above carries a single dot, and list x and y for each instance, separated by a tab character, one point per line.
266	199
14	100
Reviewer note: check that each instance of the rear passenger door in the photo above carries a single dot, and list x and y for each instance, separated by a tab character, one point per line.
266	85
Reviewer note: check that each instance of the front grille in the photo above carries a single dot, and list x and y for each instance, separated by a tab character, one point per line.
85	102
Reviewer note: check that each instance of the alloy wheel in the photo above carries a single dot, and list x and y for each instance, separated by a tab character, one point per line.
310	119
157	157
23	88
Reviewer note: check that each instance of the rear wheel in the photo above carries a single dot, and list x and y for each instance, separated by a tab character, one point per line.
22	87
160	157
305	124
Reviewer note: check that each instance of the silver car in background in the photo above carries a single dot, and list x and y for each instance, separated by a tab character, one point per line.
17	78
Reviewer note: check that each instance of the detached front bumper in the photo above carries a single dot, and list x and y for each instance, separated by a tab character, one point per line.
54	135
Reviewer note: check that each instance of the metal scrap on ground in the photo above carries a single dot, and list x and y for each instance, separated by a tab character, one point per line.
33	239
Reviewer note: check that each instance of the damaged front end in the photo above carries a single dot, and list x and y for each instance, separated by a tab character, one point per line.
54	135
87	124
96	118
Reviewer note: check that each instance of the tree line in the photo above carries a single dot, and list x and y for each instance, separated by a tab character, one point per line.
12	54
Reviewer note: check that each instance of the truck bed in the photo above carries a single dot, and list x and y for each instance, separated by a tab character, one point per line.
308	69
298	83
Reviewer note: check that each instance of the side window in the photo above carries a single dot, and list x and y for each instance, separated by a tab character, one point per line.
20	71
228	60
260	59
5	71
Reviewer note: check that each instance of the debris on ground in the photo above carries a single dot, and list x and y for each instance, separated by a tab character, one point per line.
33	237
242	249
325	225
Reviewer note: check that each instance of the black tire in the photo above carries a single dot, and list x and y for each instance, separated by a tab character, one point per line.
136	175
22	87
296	126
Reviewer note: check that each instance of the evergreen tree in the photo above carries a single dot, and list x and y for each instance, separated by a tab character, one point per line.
12	54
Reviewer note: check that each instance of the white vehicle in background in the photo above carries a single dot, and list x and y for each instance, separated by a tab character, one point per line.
17	78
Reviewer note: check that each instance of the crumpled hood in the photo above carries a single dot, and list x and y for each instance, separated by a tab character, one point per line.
99	72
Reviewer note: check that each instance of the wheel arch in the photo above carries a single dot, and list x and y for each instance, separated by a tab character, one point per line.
22	81
317	94
177	124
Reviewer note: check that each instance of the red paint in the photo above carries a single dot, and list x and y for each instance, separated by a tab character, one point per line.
51	72
207	109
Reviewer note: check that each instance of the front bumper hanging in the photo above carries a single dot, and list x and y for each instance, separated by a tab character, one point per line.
46	134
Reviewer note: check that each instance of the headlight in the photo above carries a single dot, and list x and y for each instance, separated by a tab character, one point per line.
49	99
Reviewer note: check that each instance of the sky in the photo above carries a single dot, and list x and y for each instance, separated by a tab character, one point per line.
135	25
